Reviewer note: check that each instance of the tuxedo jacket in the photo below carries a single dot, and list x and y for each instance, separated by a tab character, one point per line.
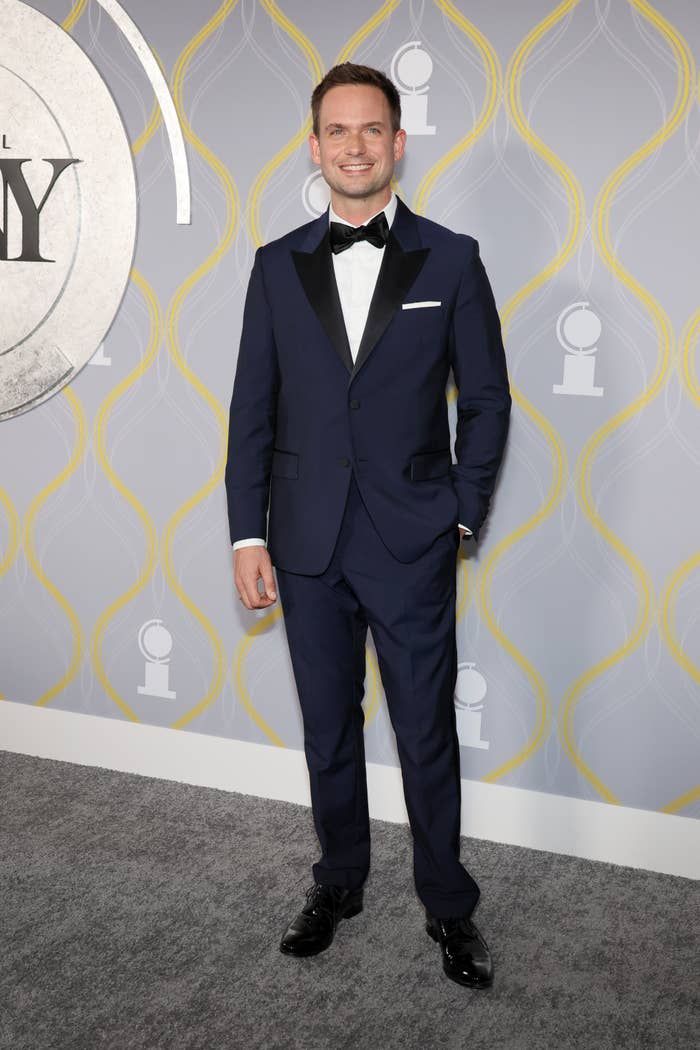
303	415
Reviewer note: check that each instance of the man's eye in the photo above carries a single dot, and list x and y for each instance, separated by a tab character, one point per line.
374	130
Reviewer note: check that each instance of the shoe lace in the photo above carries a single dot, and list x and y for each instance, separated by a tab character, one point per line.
321	900
461	923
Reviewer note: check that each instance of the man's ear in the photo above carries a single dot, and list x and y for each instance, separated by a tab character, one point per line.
399	144
314	149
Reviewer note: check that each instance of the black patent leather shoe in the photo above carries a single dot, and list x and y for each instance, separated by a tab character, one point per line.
314	927
465	954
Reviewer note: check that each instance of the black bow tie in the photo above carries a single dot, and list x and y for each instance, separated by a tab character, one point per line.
343	236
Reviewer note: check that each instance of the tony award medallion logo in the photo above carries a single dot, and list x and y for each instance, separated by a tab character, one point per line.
411	69
315	194
470	691
156	642
67	211
578	331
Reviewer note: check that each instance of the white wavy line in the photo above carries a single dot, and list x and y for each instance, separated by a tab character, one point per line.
280	178
568	59
534	303
167	107
633	459
652	663
93	47
53	628
652	38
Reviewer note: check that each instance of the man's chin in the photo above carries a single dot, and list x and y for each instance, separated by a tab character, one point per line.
356	187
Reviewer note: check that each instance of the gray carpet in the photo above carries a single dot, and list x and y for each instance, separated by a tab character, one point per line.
140	913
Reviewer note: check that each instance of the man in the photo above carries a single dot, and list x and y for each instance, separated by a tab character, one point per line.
339	418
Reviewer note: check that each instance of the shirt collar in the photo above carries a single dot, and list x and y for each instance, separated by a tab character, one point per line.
389	210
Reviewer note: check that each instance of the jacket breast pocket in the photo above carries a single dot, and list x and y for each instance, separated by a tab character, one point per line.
426	323
284	464
426	465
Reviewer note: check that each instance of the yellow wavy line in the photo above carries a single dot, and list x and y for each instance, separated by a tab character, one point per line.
75	406
355	40
667	614
100	429
674	582
419	203
78	450
372	692
689	378
464	594
492	68
79	415
100	448
315	64
13	532
172	328
677	804
365	29
601	233
239	660
243	649
253	222
671	588
687	369
76	11
155	119
576	204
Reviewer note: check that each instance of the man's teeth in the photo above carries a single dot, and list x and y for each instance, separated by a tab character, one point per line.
355	167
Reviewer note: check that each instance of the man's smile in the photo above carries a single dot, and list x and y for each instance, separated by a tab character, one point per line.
364	166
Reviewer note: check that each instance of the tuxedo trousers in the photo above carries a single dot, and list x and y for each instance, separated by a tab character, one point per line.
410	608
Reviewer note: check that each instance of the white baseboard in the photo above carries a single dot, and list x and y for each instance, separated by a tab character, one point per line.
595	830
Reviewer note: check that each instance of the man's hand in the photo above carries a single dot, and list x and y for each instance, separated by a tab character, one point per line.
249	565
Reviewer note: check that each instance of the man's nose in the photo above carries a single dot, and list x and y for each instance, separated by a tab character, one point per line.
355	144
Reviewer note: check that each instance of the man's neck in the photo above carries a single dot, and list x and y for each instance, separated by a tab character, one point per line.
357	210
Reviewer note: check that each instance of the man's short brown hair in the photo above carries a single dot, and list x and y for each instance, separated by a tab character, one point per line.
351	73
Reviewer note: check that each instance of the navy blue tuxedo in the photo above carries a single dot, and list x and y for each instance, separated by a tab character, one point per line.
303	415
364	502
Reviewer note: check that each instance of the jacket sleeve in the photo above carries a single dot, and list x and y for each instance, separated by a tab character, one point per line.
252	416
483	403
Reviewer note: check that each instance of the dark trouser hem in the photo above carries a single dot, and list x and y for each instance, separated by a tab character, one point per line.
442	908
347	880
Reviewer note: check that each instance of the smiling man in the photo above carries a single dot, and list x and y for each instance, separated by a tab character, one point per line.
339	425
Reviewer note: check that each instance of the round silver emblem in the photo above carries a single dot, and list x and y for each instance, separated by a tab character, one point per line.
67	208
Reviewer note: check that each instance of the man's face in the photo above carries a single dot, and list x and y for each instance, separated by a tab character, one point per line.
356	147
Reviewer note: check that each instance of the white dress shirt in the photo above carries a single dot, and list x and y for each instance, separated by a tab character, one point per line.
356	271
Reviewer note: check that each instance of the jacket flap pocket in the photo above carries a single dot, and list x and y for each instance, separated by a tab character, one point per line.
430	465
284	464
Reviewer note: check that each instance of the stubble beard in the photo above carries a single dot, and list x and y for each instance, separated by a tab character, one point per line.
345	187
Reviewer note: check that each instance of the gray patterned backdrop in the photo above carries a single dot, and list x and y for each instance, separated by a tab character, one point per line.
565	138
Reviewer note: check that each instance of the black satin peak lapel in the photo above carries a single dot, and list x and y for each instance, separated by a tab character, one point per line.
397	273
316	273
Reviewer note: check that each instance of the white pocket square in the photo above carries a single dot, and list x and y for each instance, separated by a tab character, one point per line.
419	305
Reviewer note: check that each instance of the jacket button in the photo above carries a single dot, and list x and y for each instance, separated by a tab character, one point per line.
344	461
354	403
